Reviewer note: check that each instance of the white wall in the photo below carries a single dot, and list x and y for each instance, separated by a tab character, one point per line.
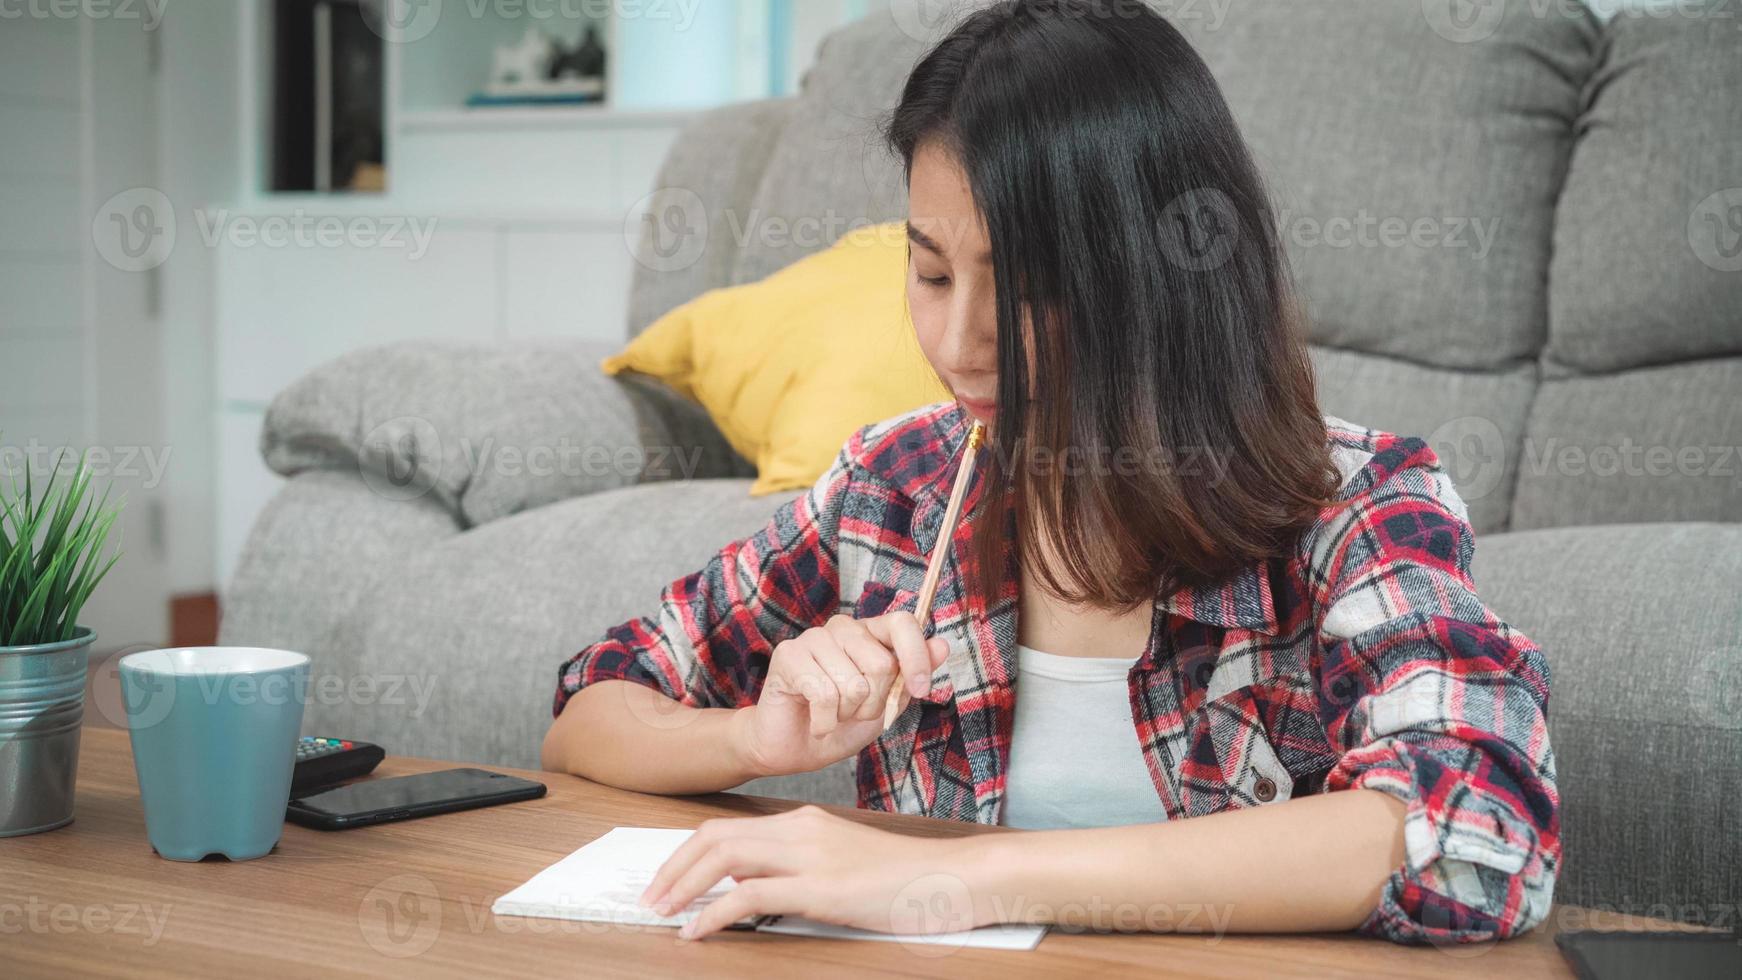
199	160
79	335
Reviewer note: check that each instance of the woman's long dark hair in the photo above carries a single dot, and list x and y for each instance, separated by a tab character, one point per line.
1130	227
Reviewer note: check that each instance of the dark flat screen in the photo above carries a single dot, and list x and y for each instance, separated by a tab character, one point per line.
414	793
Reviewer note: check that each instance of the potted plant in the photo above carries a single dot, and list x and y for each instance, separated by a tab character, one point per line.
51	542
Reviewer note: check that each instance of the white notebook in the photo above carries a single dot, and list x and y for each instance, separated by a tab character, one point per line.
603	881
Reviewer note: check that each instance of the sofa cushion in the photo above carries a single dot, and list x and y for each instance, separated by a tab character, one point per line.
1415	158
830	172
1474	420
1648	244
1654	444
684	243
791	366
1416	182
1643	638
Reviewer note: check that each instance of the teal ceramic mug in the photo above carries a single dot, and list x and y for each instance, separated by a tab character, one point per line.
214	733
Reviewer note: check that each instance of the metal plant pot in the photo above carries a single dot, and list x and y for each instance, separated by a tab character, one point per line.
42	702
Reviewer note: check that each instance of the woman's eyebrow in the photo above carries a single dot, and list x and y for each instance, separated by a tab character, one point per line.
923	240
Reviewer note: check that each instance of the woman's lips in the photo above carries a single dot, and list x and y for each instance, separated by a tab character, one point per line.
984	410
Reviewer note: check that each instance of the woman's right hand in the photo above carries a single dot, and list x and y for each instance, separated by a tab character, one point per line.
823	698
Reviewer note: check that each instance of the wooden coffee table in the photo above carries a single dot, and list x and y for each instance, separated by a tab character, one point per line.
414	898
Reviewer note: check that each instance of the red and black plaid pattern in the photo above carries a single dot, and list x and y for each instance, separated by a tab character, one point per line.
1364	659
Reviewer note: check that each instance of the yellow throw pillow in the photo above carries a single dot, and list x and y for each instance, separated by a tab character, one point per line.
791	366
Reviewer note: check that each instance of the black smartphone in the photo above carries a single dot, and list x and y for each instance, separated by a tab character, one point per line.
374	801
1598	955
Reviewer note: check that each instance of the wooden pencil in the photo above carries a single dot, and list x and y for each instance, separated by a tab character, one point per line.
940	550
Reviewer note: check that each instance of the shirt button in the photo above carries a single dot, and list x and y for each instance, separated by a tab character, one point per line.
1264	789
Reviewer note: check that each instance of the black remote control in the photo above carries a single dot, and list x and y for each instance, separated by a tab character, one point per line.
321	762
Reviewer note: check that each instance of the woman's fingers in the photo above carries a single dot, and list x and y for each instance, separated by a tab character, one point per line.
808	680
852	688
901	633
739	857
873	661
707	836
758	896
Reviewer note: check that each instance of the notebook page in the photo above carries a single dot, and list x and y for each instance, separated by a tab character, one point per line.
1003	936
603	881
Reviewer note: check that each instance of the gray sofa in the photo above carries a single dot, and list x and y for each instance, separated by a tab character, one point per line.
1519	237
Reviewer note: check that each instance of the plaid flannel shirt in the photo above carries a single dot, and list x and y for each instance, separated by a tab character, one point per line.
1365	659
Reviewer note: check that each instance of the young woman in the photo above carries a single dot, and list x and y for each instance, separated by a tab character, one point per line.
1180	591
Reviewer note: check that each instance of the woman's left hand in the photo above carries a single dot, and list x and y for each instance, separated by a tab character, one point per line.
813	863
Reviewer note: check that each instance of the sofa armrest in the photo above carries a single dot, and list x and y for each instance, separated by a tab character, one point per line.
491	430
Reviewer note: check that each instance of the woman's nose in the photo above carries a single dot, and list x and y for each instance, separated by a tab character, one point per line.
968	350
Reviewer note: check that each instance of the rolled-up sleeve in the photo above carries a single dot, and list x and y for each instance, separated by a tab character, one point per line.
1431	698
709	642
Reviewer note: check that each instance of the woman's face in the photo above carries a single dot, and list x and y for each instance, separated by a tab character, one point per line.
949	281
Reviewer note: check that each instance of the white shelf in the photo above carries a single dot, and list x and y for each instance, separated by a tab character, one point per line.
540	117
314	205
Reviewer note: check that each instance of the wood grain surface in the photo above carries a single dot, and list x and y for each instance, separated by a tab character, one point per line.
413	898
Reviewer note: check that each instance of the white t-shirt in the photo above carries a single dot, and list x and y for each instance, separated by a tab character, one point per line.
1074	756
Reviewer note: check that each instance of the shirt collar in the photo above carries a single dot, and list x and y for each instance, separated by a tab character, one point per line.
1245	600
